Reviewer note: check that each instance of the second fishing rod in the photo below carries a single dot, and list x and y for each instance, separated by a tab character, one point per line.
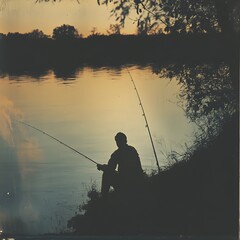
145	119
85	156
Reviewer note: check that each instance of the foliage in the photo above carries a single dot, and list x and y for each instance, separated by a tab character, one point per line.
176	16
114	29
2	36
194	197
207	95
94	32
65	32
37	34
190	16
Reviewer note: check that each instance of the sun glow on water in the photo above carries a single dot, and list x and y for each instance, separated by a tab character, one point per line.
44	181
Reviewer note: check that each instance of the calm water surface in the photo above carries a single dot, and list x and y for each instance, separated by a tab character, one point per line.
42	182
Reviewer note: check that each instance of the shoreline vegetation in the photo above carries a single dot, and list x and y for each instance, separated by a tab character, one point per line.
21	52
196	197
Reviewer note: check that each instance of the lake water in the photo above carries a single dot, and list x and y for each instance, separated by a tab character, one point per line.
42	182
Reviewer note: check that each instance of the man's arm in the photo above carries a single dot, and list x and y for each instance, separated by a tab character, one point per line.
102	167
112	163
111	166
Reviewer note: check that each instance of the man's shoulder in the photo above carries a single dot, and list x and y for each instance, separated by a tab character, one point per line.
119	151
131	147
115	153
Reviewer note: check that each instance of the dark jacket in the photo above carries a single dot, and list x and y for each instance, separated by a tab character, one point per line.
128	162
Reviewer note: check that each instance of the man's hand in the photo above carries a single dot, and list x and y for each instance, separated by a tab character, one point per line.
102	167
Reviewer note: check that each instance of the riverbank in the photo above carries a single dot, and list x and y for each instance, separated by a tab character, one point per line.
197	197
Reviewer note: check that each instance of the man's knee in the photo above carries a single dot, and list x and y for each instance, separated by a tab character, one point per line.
110	178
109	175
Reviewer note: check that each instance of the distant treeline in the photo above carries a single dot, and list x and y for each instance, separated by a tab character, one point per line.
20	51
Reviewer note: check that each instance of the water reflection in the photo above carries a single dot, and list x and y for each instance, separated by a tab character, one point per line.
17	150
67	72
208	94
41	182
63	72
36	74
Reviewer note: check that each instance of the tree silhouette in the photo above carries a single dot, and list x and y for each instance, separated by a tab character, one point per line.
15	36
94	32
65	32
177	15
36	35
114	29
2	36
207	95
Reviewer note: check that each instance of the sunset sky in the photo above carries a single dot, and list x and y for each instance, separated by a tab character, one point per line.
25	15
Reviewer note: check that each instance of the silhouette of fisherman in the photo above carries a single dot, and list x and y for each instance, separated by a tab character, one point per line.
129	166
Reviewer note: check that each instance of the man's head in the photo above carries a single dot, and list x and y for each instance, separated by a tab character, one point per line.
121	139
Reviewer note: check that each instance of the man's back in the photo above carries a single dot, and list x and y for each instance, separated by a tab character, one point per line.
127	160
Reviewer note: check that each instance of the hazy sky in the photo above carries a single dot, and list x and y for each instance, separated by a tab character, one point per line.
26	15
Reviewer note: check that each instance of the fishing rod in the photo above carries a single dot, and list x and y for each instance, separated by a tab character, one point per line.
41	131
145	118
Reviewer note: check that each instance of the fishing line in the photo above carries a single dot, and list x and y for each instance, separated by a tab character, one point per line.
64	144
145	118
